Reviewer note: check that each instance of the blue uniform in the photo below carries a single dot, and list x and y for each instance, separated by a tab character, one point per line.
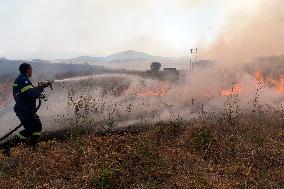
25	95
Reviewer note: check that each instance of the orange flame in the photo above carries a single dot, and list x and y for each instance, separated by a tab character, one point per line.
162	91
259	76
277	84
232	91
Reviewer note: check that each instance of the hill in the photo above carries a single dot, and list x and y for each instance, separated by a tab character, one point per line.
129	55
45	70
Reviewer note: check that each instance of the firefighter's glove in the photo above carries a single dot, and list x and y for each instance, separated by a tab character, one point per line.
43	97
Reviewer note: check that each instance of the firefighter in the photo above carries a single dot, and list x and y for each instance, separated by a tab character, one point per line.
25	95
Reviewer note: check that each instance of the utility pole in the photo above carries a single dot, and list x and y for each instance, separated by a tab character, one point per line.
193	60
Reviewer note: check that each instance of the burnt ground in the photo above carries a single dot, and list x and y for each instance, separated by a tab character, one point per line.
202	153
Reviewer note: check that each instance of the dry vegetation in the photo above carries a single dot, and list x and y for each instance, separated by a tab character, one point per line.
210	152
224	148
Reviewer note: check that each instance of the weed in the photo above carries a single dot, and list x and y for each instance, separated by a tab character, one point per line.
258	140
199	180
146	148
110	120
106	178
144	161
242	185
172	129
202	140
263	183
8	167
4	174
255	102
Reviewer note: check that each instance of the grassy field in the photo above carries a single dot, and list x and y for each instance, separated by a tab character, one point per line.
245	151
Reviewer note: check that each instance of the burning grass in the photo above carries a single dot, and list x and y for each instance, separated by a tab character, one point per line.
161	91
220	147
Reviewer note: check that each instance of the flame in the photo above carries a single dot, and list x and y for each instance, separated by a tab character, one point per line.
162	91
259	75
232	91
277	84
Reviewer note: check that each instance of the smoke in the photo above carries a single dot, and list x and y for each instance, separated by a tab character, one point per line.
160	27
119	100
251	31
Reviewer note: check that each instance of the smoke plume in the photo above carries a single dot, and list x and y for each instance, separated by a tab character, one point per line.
251	32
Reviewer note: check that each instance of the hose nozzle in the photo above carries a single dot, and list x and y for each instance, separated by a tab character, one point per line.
46	84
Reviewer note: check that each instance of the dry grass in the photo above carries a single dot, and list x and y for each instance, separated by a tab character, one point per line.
205	153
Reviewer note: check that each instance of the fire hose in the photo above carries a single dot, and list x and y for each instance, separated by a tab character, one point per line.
11	132
42	97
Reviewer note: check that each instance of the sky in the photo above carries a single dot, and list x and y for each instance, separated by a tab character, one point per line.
52	29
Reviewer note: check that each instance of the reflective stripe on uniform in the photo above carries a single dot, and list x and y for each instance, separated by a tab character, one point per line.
36	133
21	136
15	85
26	88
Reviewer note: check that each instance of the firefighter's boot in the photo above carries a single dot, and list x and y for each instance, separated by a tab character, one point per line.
33	141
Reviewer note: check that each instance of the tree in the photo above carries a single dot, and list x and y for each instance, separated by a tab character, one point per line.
155	66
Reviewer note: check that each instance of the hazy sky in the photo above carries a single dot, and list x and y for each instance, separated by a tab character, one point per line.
67	28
